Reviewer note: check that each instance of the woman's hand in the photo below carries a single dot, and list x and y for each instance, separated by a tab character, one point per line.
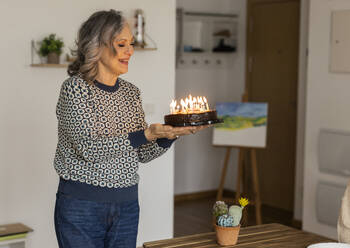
156	131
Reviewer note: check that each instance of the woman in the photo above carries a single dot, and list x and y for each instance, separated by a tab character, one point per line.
102	136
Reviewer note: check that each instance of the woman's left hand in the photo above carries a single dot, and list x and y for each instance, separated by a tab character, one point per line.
156	131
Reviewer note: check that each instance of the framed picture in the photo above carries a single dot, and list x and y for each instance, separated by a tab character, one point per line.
245	124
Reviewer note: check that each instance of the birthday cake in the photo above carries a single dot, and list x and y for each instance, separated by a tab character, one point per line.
194	111
194	119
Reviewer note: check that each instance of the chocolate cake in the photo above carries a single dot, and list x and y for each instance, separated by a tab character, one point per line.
193	119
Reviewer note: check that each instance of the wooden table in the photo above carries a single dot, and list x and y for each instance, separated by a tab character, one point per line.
262	236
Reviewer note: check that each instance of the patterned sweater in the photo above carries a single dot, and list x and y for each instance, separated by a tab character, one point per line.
101	140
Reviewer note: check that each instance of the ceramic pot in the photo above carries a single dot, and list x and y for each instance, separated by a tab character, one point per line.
227	235
53	58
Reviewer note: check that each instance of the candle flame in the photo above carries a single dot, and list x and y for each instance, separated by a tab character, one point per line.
172	106
190	105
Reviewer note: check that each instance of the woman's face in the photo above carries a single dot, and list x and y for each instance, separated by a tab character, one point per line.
124	45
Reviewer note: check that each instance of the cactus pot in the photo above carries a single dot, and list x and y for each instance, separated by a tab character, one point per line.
227	235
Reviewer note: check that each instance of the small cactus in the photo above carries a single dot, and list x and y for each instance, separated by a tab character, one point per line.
219	208
236	211
225	220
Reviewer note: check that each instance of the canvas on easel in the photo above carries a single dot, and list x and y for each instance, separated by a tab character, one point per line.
244	127
245	124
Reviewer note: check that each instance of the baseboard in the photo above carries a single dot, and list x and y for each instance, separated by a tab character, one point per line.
194	196
201	195
297	224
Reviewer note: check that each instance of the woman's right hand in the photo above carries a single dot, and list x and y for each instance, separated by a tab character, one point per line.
156	131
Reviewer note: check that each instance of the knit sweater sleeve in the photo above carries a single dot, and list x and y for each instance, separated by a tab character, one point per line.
151	150
75	121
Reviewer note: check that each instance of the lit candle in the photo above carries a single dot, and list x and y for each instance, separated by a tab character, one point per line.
200	102
189	105
190	101
183	106
172	106
206	103
195	103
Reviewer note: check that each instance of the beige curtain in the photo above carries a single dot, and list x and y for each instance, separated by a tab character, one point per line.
344	218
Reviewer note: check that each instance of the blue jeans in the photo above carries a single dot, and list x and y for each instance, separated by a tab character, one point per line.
88	224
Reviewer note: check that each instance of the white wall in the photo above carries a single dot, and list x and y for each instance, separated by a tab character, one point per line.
187	168
327	106
28	97
197	163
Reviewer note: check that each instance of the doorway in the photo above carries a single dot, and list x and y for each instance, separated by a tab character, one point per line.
272	76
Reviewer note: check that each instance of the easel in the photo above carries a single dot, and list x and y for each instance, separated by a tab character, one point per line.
242	161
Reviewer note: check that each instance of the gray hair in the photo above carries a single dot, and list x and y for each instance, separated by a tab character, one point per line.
95	33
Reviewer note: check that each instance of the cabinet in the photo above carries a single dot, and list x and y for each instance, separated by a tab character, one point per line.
205	37
15	243
13	235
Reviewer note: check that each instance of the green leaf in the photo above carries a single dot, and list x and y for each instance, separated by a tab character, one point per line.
51	44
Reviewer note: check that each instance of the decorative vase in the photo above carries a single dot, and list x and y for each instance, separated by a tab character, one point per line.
53	58
227	235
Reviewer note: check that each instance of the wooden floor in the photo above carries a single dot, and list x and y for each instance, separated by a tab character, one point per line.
195	216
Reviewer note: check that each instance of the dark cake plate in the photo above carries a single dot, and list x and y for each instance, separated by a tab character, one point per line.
198	123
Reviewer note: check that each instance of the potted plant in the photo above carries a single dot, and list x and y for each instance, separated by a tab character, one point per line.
52	48
227	221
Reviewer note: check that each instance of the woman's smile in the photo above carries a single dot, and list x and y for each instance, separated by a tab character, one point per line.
124	61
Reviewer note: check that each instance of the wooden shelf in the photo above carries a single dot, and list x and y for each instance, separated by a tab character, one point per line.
145	49
71	59
208	53
50	65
